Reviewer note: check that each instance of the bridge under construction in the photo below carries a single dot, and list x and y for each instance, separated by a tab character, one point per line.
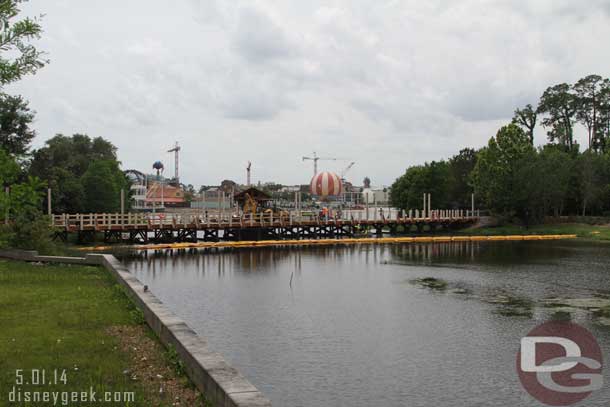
170	228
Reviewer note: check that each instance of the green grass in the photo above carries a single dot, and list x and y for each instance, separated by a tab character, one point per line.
583	231
53	317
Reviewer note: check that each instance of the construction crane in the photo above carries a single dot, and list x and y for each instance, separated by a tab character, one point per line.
176	151
315	159
248	173
349	167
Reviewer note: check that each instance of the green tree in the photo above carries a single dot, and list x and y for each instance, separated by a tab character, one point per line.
502	173
559	104
408	190
593	173
366	182
460	168
63	161
15	120
9	169
189	193
553	171
526	118
27	228
9	172
589	93
18	57
102	184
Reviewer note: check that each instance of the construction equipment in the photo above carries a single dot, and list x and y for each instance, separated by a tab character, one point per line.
349	167
176	151
250	204
315	160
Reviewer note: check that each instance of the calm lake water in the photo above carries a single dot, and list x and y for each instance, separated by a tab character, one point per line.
353	330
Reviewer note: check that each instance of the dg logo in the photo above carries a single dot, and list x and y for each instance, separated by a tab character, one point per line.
560	363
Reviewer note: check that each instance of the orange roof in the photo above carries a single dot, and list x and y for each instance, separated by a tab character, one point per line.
170	193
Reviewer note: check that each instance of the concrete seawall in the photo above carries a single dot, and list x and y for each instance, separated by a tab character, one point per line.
220	383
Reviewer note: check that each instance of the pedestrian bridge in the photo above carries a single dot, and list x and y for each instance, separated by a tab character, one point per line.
175	227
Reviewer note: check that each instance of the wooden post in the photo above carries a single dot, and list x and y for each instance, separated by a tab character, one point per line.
374	208
425	205
202	203
218	202
49	211
472	204
122	204
231	198
6	211
222	207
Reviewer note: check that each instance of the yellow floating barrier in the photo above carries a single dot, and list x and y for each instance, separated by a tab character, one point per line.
327	242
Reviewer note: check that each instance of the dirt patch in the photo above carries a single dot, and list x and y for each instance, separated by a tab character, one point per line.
155	368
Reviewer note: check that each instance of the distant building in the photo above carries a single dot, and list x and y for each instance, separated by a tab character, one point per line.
376	196
213	198
229	187
138	189
160	194
292	188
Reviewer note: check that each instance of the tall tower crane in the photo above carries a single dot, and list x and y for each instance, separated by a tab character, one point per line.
349	167
176	151
315	159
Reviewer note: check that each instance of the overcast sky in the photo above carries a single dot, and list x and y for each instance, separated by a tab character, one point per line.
387	84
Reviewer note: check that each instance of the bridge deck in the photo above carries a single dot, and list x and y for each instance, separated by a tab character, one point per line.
179	228
142	221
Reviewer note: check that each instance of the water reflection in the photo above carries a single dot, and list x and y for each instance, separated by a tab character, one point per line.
342	325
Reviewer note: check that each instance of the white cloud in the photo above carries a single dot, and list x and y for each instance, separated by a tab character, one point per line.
387	84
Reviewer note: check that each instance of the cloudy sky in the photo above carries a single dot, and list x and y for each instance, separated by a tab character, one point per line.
385	83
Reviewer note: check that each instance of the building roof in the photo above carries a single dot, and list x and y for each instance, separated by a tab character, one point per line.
171	193
255	193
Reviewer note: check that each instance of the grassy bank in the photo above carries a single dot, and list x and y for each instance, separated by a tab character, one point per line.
583	231
75	326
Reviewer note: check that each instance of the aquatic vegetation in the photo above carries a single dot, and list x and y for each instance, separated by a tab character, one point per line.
590	304
561	316
459	290
512	306
431	283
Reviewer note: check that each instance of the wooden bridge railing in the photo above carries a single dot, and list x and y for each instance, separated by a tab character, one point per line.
100	221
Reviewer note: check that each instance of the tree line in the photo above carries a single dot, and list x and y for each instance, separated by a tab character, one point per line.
513	178
22	224
83	173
